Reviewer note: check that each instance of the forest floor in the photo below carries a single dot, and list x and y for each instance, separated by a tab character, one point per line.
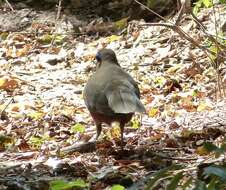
42	77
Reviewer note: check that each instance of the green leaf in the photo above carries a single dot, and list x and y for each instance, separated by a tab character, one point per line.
223	147
3	35
38	141
117	187
58	185
197	7
78	128
157	177
216	171
210	147
35	115
163	173
213	183
195	10
187	183
59	39
200	185
121	24
45	39
174	182
194	92
64	185
213	148
207	3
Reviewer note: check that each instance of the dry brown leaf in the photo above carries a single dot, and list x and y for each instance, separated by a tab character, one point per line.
8	84
23	51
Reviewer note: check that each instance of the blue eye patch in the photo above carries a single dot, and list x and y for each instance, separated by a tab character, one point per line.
98	57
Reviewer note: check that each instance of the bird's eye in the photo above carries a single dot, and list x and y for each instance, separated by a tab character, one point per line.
98	57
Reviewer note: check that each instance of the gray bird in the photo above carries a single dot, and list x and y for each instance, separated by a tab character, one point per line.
111	94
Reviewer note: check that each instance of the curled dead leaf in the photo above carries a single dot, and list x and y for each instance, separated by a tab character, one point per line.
8	84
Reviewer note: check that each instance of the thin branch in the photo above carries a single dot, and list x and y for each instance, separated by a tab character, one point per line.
57	20
10	6
146	7
11	100
181	33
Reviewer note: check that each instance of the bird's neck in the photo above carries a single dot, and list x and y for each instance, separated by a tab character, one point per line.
109	62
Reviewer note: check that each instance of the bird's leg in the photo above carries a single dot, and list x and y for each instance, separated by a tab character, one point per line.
122	130
98	129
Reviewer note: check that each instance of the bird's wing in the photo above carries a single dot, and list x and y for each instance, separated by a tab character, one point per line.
123	99
95	99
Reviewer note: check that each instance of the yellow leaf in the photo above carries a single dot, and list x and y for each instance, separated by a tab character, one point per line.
36	115
114	132
160	80
174	69
59	39
153	112
113	38
2	82
136	123
10	53
203	106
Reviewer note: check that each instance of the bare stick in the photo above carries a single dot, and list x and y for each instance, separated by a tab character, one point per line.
151	10
10	6
11	100
57	18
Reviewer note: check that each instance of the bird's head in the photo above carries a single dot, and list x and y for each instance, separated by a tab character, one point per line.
106	56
